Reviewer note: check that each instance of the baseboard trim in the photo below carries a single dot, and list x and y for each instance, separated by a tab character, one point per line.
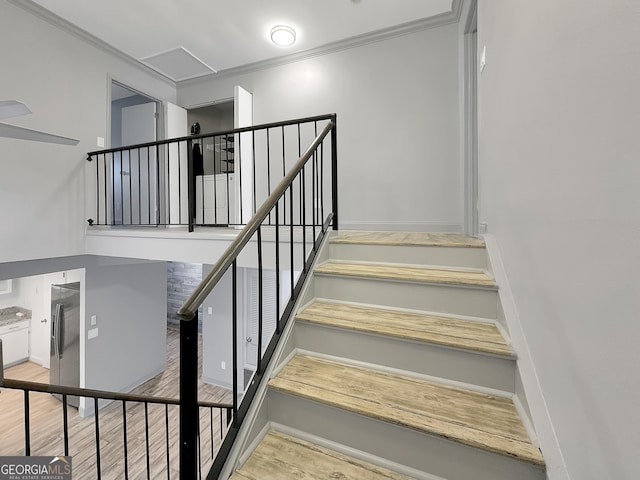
546	436
352	452
450	227
86	408
38	360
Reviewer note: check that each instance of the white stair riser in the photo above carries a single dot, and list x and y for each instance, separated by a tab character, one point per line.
428	453
411	254
476	302
484	370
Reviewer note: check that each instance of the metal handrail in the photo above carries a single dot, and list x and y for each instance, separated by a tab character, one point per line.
202	291
222	133
101	394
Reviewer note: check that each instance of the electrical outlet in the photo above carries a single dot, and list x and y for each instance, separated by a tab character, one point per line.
92	333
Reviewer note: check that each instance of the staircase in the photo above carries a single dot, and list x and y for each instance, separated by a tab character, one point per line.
396	367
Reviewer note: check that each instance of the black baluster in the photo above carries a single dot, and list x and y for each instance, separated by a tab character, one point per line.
146	437
27	434
234	340
188	396
260	299
124	439
97	429
278	330
334	172
166	431
65	424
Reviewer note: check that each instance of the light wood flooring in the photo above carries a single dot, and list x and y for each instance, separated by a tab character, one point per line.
408	238
472	418
449	331
47	436
469	277
280	456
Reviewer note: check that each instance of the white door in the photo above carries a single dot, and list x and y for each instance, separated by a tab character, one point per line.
177	181
136	191
268	314
243	169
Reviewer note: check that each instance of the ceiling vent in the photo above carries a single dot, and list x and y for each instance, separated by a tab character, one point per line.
178	64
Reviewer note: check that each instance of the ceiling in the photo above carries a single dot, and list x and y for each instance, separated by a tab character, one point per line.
203	36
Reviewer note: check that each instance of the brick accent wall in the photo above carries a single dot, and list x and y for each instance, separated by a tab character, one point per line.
182	279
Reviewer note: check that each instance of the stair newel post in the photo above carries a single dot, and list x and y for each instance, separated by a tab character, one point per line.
191	189
334	170
189	398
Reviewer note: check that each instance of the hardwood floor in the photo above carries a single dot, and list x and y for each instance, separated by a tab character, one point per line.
475	419
408	238
46	431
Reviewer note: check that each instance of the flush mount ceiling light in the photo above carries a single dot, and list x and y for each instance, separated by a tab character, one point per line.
283	36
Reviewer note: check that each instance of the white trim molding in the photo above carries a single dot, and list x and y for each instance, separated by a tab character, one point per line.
400	226
57	21
541	419
353	42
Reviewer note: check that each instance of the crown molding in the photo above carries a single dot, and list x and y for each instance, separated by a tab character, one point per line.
442	19
353	42
68	27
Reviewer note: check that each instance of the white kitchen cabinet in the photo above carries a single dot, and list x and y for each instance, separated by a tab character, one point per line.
5	286
15	342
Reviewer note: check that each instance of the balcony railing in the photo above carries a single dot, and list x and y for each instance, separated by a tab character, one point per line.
286	199
146	424
287	255
213	179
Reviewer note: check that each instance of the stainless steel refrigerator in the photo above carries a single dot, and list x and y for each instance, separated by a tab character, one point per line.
65	337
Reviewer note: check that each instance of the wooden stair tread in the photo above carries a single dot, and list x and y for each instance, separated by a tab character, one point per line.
453	332
472	418
469	277
281	456
408	239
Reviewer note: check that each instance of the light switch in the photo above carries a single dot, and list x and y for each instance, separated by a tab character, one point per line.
483	58
100	142
210	310
92	333
223	365
94	320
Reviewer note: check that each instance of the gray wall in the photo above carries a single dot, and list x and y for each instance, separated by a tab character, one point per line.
559	175
116	116
130	304
217	332
397	106
45	193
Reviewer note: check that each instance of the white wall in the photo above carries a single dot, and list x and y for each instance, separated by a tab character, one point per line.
45	197
397	106
559	176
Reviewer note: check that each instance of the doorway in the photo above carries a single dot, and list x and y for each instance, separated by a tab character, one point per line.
134	118
224	196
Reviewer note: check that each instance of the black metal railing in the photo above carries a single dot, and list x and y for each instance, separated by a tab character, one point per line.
154	457
214	179
281	241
